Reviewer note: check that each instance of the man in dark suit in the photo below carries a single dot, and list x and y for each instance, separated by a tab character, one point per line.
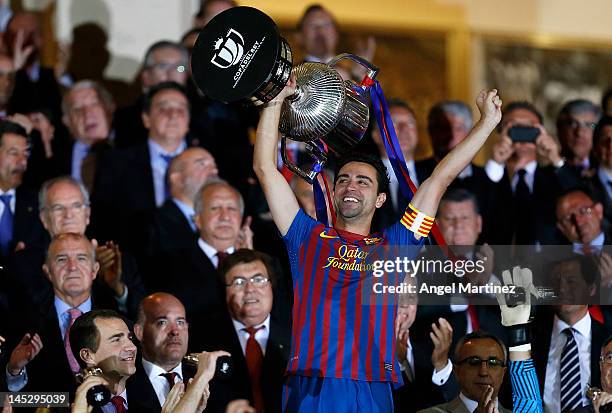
88	109
405	126
71	268
65	209
568	337
448	123
164	61
174	227
36	86
575	124
525	192
19	227
257	340
601	182
605	365
131	182
162	330
218	217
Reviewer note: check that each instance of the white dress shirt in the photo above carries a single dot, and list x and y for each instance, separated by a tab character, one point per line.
470	404
261	336
160	383
159	167
211	252
495	172
552	385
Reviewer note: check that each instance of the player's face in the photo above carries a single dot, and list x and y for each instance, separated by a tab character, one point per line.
474	380
116	354
356	191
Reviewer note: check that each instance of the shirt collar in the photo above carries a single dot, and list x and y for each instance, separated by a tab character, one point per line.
9	192
597	242
241	327
470	404
530	167
188	211
583	326
153	370
211	251
61	307
156	150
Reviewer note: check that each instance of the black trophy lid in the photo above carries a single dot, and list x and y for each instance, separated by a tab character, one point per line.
235	54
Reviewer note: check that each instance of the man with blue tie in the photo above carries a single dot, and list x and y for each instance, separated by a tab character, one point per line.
132	182
19	226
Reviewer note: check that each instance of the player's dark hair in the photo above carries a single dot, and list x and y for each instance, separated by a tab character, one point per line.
370	159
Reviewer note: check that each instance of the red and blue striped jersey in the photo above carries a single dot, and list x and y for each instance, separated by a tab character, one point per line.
341	329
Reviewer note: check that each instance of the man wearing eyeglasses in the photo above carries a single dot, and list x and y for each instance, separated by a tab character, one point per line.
579	219
257	339
575	125
164	61
605	365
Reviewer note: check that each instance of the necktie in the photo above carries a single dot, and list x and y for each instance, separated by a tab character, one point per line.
6	224
119	403
571	394
254	358
167	159
73	313
473	314
170	376
523	207
221	255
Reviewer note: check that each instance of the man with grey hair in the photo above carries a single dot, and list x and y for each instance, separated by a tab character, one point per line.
163	61
88	110
448	123
64	208
575	125
219	209
40	338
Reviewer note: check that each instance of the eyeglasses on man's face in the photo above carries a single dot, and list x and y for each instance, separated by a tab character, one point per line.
475	361
258	280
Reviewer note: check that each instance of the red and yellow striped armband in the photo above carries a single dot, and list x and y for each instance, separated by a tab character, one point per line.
416	221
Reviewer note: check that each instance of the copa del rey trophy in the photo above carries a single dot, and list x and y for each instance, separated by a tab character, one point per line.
240	56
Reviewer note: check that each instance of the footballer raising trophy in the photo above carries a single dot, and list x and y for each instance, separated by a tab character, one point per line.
241	57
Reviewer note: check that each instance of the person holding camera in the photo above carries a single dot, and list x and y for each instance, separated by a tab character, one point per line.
525	190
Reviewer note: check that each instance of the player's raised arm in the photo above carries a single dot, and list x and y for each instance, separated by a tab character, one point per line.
281	200
427	197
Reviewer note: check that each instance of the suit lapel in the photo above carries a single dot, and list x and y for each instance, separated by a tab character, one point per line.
144	158
26	212
140	392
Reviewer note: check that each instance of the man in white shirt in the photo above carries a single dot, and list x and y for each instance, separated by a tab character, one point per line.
566	352
163	332
525	191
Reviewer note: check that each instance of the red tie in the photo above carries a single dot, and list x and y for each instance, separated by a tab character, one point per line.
254	358
170	376
472	312
221	255
119	403
74	313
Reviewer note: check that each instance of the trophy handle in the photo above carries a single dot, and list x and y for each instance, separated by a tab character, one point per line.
372	70
318	156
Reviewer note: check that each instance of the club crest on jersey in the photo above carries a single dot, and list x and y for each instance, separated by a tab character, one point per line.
388	366
370	241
